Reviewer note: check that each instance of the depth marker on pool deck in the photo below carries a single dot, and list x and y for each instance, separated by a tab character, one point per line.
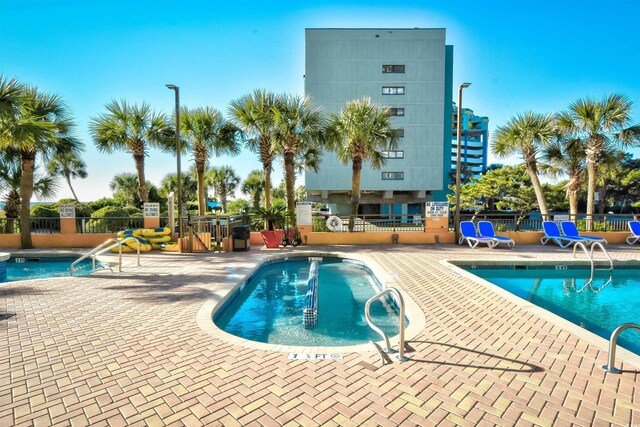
314	356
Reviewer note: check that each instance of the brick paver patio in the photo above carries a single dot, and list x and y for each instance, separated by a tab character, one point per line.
124	349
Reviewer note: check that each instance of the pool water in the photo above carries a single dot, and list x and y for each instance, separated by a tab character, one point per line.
598	307
38	268
270	308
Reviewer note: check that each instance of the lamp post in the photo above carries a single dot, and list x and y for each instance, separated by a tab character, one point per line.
176	89
456	221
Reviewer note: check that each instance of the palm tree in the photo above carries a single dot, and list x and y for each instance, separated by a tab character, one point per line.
126	186
254	113
225	181
44	186
610	169
297	134
69	166
134	129
602	125
204	131
566	157
37	125
11	92
526	134
188	186
254	186
358	135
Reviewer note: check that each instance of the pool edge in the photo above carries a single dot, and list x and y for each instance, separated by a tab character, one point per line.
622	354
204	317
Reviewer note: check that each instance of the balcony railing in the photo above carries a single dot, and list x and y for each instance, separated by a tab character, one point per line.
372	223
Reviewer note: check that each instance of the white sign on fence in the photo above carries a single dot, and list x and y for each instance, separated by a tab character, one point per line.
152	210
303	213
67	210
436	209
560	218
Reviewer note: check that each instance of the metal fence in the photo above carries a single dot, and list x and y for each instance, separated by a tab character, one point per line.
107	225
533	222
38	225
370	223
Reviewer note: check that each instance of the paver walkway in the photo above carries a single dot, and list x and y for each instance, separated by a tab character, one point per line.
124	349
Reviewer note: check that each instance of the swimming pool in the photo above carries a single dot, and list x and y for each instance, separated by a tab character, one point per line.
269	306
613	298
40	267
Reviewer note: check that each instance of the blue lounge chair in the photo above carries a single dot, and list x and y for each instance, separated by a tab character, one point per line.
634	227
486	230
570	230
552	234
468	233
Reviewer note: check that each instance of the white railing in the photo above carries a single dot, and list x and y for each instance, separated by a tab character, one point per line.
367	315
104	247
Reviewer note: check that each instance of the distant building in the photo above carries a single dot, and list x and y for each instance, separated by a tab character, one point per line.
475	141
407	70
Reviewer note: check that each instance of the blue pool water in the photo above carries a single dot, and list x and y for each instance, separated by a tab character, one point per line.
599	307
25	268
270	308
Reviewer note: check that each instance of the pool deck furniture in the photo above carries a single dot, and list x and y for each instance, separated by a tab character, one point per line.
570	230
485	229
552	234
468	232
634	227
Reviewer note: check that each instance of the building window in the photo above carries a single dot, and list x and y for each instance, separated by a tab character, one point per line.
393	154
393	90
394	176
396	111
393	69
399	133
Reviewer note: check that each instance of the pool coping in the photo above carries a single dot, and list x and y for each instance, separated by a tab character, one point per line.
622	354
204	317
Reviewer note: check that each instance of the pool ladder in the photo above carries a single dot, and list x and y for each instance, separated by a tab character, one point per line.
591	260
400	301
613	344
104	247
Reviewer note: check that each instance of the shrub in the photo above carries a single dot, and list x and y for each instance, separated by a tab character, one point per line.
101	203
103	225
132	211
45	211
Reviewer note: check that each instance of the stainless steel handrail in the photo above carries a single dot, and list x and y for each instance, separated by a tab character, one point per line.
613	343
367	316
604	251
103	247
591	260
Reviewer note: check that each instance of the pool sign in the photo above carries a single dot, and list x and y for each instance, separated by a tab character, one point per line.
303	213
67	210
436	209
314	356
152	210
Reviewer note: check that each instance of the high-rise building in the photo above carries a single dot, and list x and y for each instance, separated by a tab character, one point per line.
407	70
475	142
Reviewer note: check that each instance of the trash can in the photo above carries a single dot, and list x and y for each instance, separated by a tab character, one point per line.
241	235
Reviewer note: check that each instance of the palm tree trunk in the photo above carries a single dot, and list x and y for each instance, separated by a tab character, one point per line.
573	203
68	177
26	191
537	187
267	185
143	192
223	200
290	180
591	188
200	179
355	190
601	204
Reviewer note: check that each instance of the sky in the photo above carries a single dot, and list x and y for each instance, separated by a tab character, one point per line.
519	56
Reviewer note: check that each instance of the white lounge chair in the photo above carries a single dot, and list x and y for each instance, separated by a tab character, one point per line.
468	233
570	230
552	234
486	230
634	227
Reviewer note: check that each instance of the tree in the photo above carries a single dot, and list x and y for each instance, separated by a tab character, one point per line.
225	181
125	186
566	157
44	186
254	113
69	166
610	172
133	129
526	134
34	125
188	187
298	133
602	125
204	131
254	186
358	135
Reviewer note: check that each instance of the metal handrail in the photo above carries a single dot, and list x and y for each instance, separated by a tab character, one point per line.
367	316
103	247
613	343
604	251
590	256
